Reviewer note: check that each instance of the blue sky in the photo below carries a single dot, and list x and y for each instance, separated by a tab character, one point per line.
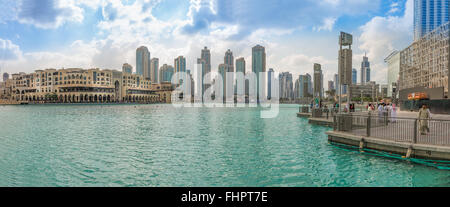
105	34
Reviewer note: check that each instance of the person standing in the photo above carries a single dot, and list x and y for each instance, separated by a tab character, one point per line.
380	112
424	116
394	113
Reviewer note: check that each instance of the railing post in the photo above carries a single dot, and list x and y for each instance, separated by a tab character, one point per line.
368	126
415	131
334	123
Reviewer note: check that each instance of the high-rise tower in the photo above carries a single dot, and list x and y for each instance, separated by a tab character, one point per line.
428	15
143	62
365	70
258	66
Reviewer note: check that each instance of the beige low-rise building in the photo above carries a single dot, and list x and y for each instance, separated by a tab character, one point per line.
75	85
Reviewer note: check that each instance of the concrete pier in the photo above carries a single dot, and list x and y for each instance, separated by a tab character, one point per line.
321	121
406	149
305	115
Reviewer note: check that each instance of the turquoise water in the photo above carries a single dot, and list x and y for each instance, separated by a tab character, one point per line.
158	145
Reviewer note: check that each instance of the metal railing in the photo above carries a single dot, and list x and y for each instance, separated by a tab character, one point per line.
397	129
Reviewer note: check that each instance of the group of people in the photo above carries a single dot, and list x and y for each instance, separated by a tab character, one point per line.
384	110
388	113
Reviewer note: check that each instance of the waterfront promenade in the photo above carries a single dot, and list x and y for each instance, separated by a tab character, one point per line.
399	134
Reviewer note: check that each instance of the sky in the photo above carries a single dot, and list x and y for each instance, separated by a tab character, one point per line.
40	34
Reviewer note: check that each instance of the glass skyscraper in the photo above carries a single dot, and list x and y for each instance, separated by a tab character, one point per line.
269	83
259	65
154	67
365	70
229	60
180	66
240	65
429	14
166	73
143	62
354	76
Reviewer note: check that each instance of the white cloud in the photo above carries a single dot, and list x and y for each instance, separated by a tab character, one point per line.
327	25
48	14
381	35
9	51
394	7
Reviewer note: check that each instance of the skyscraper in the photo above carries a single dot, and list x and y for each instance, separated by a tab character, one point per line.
286	85
166	73
309	83
336	83
229	60
5	77
365	70
318	80
428	15
269	83
143	62
240	65
206	56
180	65
393	62
297	88
330	85
259	65
354	76
127	68
202	63
154	67
223	69
304	82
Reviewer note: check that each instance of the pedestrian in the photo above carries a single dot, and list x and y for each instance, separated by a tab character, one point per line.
424	116
394	113
380	112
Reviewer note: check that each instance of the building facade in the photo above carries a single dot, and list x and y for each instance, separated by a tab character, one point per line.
425	63
429	15
393	62
77	85
368	90
354	76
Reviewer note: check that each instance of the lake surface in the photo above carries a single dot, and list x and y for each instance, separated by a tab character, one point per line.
158	145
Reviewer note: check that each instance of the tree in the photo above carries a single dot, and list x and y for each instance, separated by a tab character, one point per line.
51	96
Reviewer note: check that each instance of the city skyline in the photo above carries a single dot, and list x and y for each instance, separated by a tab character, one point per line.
111	43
